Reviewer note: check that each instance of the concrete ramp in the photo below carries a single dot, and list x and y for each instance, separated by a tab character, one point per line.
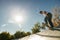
45	35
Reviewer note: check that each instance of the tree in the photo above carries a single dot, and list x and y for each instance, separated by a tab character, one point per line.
19	34
28	33
4	36
23	34
56	19
12	37
36	28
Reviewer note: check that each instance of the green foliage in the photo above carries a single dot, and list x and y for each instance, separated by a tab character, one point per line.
28	33
36	28
23	34
4	36
19	34
12	37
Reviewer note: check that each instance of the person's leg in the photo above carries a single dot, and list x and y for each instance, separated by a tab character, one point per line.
51	24
46	21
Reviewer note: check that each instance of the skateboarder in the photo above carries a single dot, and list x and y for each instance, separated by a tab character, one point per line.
48	18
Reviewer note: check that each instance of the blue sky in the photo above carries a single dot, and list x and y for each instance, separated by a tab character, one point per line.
31	13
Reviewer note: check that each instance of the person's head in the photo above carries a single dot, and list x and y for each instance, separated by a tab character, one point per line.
41	12
45	12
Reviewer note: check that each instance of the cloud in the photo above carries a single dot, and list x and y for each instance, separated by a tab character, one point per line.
19	25
10	21
4	25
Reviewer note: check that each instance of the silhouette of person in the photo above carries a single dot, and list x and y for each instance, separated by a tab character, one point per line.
48	18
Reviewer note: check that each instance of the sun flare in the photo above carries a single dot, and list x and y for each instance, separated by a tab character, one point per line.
18	15
18	18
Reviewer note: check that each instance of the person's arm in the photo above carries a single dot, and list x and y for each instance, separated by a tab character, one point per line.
45	20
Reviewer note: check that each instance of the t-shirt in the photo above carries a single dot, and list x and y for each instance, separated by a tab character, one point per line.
49	15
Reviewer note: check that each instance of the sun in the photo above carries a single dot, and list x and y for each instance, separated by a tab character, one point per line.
18	15
18	18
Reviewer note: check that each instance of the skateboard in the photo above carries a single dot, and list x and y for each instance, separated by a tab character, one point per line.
50	28
54	28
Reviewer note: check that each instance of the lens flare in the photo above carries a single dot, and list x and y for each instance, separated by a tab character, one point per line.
18	18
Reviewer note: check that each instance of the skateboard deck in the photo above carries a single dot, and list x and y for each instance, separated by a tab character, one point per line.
58	29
